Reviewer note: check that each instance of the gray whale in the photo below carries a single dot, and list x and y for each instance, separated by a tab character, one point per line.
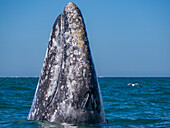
68	90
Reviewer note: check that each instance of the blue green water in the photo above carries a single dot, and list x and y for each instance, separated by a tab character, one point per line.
125	106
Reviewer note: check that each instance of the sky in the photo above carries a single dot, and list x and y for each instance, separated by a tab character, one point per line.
128	38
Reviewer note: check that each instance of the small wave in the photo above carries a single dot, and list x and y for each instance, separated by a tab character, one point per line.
45	124
135	121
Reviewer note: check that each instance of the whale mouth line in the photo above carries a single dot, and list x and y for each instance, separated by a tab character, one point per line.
56	89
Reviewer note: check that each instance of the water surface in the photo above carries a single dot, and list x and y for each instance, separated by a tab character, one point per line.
125	106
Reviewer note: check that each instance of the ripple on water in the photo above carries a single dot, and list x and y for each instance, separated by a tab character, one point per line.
124	106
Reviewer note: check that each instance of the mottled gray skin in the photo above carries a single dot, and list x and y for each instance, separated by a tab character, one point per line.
68	89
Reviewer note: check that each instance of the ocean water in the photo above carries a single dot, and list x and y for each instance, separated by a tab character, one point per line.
125	106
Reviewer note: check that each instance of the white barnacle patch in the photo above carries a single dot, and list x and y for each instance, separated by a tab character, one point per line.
33	113
57	68
46	77
79	59
76	52
71	55
57	30
80	18
58	58
68	9
67	34
75	11
54	42
70	20
60	112
68	37
69	25
70	88
53	116
50	91
52	48
69	108
73	83
62	87
63	65
71	61
68	52
44	104
84	72
70	73
75	45
71	14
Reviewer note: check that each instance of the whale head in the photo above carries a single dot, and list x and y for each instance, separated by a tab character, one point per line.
68	90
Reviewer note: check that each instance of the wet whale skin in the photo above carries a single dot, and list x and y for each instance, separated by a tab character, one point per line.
68	90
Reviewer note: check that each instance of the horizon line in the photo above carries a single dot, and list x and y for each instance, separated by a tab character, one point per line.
97	77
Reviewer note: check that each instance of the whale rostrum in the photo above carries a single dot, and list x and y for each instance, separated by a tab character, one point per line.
68	90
